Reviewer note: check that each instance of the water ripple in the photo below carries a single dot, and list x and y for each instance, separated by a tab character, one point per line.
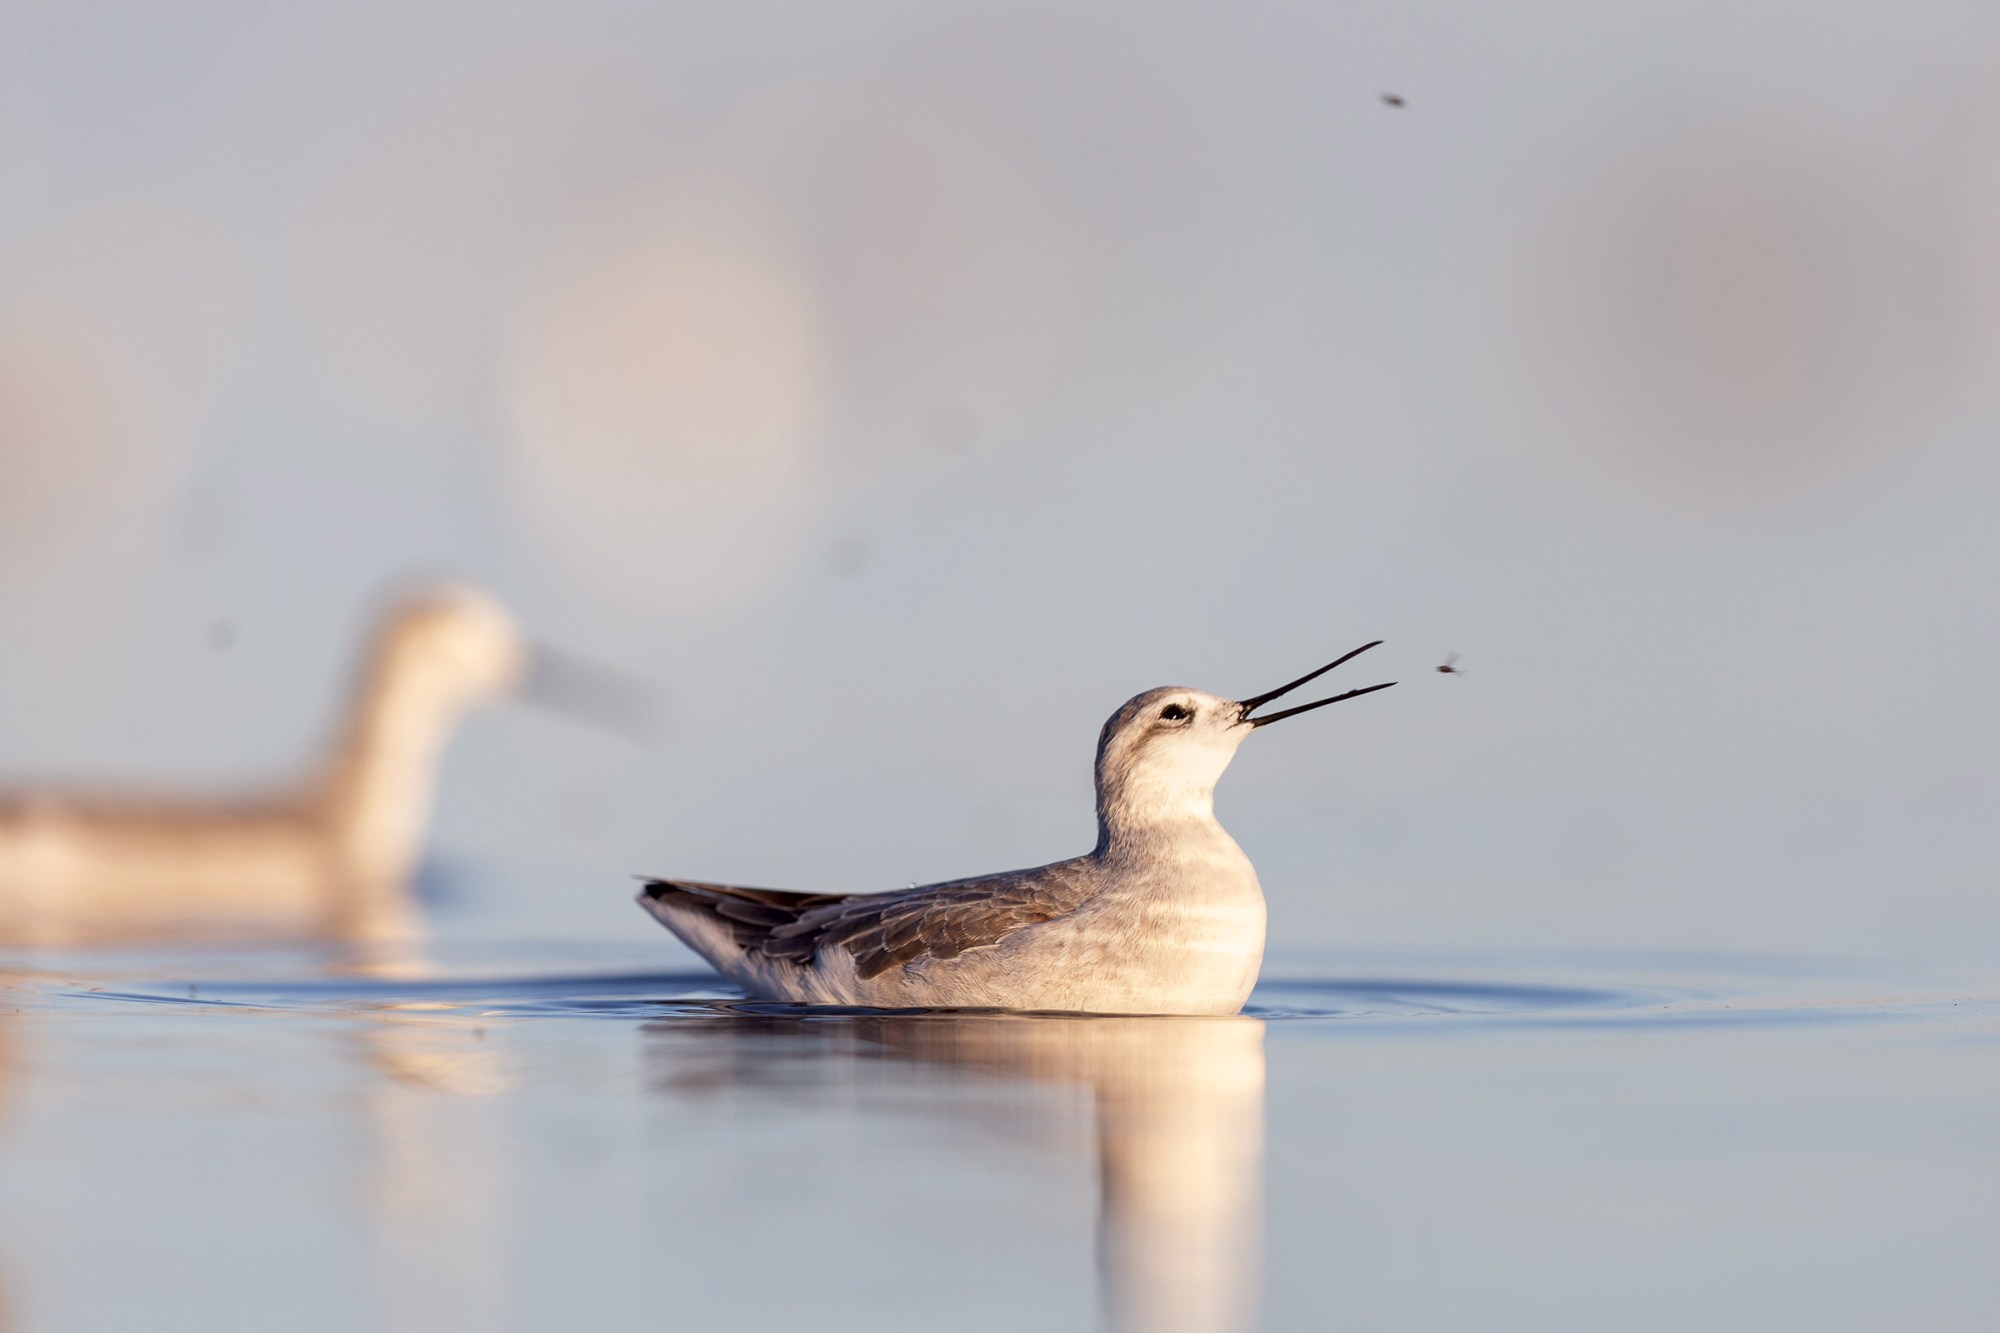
1453	992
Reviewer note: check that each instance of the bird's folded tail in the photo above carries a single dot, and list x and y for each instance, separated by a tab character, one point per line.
722	922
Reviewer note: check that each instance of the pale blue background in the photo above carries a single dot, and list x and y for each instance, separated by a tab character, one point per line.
1649	358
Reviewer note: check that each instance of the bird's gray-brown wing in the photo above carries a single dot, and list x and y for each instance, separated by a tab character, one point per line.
750	914
884	930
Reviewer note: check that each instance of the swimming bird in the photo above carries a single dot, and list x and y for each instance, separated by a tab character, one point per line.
1164	916
331	855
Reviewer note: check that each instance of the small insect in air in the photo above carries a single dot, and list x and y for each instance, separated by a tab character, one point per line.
1449	666
1392	99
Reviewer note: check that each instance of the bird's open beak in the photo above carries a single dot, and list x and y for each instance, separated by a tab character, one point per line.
1259	701
589	692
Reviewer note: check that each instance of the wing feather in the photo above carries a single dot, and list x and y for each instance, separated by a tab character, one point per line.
881	931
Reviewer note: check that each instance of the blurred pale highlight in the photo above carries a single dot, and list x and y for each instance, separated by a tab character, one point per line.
1717	318
666	391
940	249
119	335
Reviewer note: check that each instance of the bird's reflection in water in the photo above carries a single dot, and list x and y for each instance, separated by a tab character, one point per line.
1178	1110
434	1182
10	1068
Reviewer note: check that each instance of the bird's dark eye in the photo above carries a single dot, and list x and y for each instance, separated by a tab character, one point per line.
1175	713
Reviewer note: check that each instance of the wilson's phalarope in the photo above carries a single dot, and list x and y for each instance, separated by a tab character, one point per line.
331	856
1164	915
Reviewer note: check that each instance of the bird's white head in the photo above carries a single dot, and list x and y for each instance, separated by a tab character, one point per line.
446	647
453	644
1160	756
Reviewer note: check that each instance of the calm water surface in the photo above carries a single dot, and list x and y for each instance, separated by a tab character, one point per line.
522	1138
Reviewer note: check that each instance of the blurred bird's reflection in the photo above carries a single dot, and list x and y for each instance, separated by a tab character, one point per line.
1178	1111
436	1178
10	1063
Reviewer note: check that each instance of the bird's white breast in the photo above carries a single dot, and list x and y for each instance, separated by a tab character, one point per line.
1180	933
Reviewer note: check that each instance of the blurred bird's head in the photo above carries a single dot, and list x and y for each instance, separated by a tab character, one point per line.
447	646
454	643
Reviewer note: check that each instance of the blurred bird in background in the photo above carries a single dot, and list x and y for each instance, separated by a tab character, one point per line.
331	855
